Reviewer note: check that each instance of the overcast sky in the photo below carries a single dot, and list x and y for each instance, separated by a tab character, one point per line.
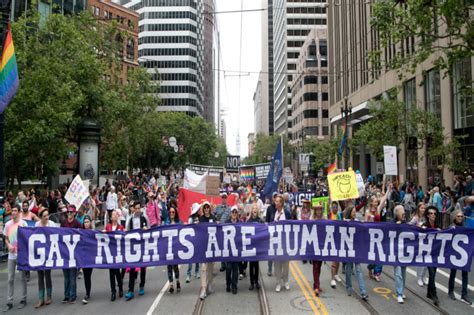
238	103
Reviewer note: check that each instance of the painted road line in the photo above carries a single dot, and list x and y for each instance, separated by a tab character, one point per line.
303	289
158	299
321	305
470	287
438	286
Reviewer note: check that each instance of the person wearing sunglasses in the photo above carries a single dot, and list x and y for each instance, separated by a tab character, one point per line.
44	275
457	219
206	268
432	223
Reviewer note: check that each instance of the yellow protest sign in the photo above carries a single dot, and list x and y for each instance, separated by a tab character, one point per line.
343	186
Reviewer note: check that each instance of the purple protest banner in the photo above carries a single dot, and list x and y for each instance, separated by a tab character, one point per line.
375	243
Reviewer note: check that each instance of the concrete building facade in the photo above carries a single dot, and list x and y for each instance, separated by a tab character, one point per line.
350	41
309	91
292	22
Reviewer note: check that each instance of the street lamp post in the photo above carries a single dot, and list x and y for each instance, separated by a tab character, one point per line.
346	112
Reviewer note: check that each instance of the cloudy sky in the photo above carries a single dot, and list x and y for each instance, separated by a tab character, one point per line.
237	99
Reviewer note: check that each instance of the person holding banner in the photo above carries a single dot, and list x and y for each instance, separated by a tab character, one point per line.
281	267
70	274
457	218
335	214
418	219
137	221
373	214
10	230
400	271
432	223
26	214
350	214
193	219
269	217
206	268
254	265
87	271
232	268
114	274
317	215
173	218
44	275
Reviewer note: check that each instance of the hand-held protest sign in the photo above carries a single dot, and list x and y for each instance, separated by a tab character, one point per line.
77	192
343	185
390	160
373	243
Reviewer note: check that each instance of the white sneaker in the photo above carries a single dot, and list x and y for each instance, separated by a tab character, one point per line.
338	279
287	286
210	290
241	276
333	284
400	299
188	279
425	281
420	282
203	294
278	288
404	296
198	275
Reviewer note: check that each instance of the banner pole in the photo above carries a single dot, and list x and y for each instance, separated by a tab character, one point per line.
282	162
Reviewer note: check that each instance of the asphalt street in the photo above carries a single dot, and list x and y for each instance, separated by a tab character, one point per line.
300	299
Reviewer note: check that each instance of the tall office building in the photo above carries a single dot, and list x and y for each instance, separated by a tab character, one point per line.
265	110
292	21
173	35
260	103
356	82
208	60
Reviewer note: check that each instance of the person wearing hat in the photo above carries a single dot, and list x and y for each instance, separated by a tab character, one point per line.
222	215
87	225
206	268
232	268
193	218
70	274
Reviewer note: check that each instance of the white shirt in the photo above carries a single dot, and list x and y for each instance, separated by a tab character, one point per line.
136	222
112	202
280	216
50	224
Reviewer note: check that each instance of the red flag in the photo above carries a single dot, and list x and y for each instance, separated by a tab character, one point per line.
187	198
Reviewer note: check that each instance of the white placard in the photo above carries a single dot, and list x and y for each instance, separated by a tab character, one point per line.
360	184
195	182
77	192
390	160
379	168
172	141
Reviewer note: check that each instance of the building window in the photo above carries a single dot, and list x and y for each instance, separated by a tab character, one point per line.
325	131
463	111
310	79
119	45
310	97
130	49
310	113
432	92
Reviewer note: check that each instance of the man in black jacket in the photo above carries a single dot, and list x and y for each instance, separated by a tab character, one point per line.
269	217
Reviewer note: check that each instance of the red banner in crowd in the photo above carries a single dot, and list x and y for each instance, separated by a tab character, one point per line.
187	198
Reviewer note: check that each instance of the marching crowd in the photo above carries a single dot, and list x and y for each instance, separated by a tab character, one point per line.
141	203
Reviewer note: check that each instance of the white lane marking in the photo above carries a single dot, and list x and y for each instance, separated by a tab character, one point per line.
443	273
158	299
439	286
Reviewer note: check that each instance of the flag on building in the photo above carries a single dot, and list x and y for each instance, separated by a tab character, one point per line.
275	172
8	73
331	168
344	139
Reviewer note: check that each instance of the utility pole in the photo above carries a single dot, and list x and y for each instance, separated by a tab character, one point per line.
346	113
4	19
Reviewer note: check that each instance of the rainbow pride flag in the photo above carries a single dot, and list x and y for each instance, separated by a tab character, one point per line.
8	73
247	174
331	168
344	139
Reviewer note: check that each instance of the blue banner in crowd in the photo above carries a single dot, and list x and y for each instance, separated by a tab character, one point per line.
377	243
274	174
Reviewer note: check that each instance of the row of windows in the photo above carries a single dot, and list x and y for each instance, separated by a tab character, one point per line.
167	27
169	3
312	79
306	22
167	52
314	63
167	40
305	10
150	64
168	15
314	113
313	96
178	89
297	32
174	77
178	102
308	1
295	43
109	16
292	55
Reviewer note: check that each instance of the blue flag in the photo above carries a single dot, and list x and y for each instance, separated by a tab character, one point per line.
274	174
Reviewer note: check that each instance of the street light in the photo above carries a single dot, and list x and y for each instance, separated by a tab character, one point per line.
346	113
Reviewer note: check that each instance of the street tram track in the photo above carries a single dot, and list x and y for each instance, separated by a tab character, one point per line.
262	299
424	299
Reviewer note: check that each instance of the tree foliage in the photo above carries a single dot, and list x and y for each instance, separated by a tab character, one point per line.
265	148
324	153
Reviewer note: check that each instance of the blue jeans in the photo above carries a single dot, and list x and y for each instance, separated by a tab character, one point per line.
360	278
70	276
376	268
190	269
232	275
400	276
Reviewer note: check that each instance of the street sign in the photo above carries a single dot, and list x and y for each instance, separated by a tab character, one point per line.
232	163
304	159
172	141
304	167
379	167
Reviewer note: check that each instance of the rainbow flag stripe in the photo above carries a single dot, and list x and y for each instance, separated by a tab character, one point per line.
247	175
8	73
331	168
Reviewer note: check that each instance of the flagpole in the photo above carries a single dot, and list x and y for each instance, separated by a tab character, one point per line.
282	162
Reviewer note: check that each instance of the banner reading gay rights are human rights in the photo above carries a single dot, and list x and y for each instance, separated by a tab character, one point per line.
379	243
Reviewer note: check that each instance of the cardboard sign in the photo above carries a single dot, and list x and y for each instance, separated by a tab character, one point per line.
321	200
343	186
212	185
360	184
390	160
77	192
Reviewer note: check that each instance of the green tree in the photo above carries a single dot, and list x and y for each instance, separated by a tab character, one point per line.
324	153
265	148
